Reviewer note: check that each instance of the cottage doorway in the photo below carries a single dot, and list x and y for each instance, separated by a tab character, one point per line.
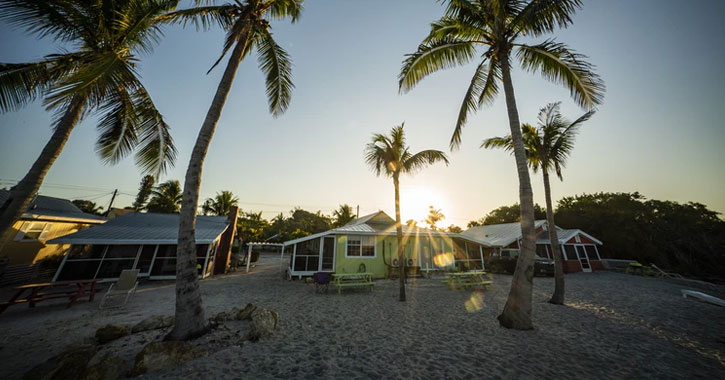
328	254
583	260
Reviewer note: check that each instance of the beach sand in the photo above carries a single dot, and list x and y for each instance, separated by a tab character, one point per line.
612	326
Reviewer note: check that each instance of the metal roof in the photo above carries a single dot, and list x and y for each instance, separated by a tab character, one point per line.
53	208
371	225
498	235
145	228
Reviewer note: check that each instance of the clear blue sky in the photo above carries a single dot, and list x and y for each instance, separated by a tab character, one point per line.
659	130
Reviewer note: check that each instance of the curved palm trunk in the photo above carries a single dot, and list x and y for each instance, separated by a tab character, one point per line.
190	321
399	236
22	194
517	311
558	296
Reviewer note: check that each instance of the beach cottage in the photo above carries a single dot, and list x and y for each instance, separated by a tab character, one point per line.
369	244
143	241
26	245
578	247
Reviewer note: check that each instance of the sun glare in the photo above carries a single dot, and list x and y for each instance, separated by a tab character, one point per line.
414	203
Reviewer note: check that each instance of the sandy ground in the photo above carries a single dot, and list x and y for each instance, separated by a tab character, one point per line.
613	326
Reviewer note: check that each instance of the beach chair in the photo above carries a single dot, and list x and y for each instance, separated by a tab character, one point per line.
660	273
124	287
322	281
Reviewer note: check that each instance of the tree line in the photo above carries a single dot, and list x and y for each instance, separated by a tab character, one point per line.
687	238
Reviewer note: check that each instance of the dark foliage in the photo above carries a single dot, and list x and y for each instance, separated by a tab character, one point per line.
685	238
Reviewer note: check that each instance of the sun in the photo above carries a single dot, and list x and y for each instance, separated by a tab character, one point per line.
415	200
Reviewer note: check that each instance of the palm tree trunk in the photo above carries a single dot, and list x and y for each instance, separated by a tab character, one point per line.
558	297
517	311
22	194
399	236
189	321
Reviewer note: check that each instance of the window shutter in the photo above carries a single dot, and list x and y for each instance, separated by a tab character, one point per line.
46	231
21	231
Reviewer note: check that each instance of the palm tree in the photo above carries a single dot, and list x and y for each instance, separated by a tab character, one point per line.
391	156
547	148
98	75
498	26
221	204
434	216
247	26
166	198
342	215
144	190
88	207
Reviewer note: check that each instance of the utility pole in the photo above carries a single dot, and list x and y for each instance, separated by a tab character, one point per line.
115	192
357	215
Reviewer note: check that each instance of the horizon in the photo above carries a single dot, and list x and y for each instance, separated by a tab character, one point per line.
311	156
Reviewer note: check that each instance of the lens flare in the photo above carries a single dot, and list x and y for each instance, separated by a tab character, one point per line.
475	302
443	259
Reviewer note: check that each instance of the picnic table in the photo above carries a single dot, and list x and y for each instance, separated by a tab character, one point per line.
73	290
342	280
465	280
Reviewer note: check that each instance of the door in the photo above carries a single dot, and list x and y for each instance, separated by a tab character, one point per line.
328	254
583	260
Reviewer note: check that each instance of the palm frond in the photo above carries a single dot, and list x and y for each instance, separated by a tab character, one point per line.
544	16
44	18
277	66
555	62
482	90
202	17
22	83
117	127
156	151
94	80
457	28
439	55
281	9
505	143
420	160
137	26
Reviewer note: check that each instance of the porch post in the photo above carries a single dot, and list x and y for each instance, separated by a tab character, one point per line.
249	256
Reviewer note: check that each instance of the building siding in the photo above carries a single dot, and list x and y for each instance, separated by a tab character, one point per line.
28	252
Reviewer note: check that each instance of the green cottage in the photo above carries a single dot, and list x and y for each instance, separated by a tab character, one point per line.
369	244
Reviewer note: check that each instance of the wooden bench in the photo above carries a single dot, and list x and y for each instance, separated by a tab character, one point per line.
465	280
343	280
72	290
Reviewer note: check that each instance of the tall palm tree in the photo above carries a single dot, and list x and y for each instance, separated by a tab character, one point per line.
166	198
99	74
499	26
144	190
434	216
247	26
342	215
391	156
548	145
221	204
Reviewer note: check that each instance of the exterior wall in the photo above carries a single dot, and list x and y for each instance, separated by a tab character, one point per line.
28	252
596	265
572	266
374	265
386	251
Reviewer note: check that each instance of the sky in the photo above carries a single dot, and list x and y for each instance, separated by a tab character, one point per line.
658	131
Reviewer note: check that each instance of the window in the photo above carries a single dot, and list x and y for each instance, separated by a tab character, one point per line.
541	250
591	252
570	251
360	246
33	231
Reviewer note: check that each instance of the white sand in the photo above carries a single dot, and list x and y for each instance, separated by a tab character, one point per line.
613	326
